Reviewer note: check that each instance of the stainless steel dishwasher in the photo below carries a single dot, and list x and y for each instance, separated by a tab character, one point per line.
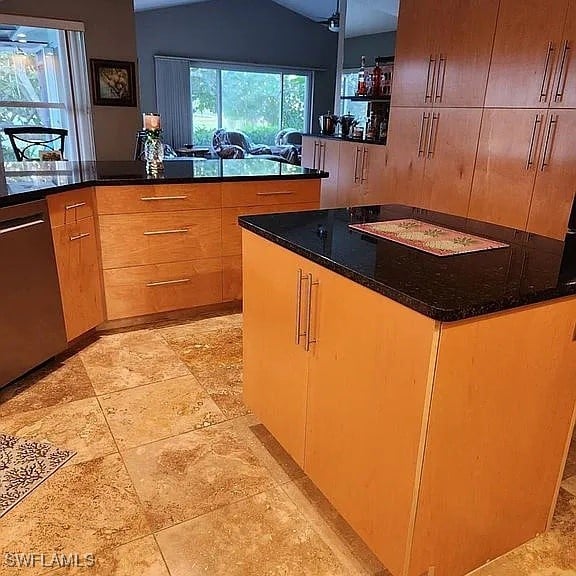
31	319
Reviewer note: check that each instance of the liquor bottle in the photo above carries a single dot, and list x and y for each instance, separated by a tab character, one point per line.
361	90
377	79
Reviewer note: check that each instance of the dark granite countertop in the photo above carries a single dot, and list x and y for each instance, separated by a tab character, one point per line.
27	181
347	139
447	288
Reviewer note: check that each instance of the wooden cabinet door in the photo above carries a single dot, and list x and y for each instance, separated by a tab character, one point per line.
349	177
373	164
415	58
275	367
464	33
404	172
309	152
506	165
556	179
564	88
77	259
367	389
526	46
450	159
329	162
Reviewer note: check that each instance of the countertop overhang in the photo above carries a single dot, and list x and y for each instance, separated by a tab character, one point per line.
22	182
446	288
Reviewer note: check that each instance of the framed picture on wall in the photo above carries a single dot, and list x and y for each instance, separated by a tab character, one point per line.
113	83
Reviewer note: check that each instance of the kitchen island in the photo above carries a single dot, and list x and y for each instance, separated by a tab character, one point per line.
430	398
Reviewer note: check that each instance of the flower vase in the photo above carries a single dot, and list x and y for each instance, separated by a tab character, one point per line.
154	155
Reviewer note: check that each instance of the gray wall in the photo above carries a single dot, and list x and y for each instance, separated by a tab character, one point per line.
110	35
250	31
370	46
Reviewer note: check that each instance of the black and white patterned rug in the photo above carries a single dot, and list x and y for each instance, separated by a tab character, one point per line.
24	465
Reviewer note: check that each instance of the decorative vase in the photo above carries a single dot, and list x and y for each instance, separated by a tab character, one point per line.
154	155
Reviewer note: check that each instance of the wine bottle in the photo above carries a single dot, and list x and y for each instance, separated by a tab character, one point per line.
361	90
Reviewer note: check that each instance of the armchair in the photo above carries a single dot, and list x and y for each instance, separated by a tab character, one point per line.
233	144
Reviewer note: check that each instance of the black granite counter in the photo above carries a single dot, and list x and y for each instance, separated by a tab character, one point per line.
26	181
347	139
447	288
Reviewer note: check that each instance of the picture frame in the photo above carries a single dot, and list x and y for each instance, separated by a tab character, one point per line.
113	83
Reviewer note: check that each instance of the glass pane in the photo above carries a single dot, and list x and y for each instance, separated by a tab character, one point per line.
204	87
47	117
251	104
349	85
294	106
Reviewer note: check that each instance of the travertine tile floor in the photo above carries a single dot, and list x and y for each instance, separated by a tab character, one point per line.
173	476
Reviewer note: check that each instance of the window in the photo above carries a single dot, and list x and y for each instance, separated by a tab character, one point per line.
349	85
37	66
258	102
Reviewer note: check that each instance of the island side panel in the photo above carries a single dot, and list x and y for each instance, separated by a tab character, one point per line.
501	415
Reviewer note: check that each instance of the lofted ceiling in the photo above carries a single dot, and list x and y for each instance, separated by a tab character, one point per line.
363	16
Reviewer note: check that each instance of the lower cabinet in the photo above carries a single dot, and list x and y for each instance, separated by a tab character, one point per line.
324	154
418	432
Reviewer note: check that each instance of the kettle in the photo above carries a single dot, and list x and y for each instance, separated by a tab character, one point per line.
328	124
347	122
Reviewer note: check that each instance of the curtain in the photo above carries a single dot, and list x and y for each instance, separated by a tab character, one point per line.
173	100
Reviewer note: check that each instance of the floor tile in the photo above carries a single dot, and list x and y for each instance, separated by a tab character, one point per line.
78	426
128	359
155	411
81	509
570	469
191	474
185	329
262	536
569	484
57	382
139	558
342	539
215	358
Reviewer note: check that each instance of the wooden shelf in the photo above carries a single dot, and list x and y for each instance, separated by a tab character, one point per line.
366	98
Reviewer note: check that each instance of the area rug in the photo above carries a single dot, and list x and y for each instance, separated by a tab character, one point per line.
428	237
24	465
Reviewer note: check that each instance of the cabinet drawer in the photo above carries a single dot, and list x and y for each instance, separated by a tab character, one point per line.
70	207
142	290
157	198
270	192
138	239
232	233
232	278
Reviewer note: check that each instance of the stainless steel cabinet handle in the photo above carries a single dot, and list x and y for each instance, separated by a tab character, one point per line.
561	84
537	122
309	340
545	78
299	334
72	206
155	198
433	135
440	78
323	147
22	226
79	236
315	152
356	178
363	169
546	155
176	231
276	193
431	75
422	140
167	282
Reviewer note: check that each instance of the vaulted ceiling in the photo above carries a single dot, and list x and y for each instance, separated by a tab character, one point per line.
364	16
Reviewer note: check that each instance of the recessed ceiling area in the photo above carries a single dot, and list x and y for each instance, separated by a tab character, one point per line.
363	16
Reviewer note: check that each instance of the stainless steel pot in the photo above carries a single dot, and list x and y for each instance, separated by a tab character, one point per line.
347	123
328	124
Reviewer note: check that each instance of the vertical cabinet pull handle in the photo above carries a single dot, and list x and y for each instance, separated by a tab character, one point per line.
323	149
315	149
548	142
433	135
561	84
423	131
309	340
431	75
299	334
440	78
530	161
356	178
363	169
545	77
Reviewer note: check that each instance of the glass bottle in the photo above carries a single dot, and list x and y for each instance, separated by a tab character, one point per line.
361	89
377	79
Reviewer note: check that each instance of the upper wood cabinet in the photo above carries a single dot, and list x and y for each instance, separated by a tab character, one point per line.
528	54
443	52
564	88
